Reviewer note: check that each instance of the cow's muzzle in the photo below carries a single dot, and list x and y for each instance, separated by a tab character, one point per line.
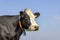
33	28
36	27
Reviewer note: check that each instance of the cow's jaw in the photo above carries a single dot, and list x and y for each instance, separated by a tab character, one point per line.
33	25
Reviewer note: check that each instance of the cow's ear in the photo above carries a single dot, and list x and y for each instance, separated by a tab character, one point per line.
37	14
21	13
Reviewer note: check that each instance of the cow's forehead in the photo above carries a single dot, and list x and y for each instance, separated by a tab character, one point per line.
29	12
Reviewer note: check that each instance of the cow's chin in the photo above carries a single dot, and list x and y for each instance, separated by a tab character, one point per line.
32	29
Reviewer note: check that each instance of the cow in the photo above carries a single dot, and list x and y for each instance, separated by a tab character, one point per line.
12	26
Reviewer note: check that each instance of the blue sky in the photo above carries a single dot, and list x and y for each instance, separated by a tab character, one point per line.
49	21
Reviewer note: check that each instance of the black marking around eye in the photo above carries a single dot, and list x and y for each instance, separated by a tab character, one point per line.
26	21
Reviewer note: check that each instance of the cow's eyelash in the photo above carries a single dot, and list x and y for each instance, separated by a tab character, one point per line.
26	18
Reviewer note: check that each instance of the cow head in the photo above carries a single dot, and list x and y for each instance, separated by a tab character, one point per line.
28	20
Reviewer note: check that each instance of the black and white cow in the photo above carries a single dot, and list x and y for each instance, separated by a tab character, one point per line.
12	26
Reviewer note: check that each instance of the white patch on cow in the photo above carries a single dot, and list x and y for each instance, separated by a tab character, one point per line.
32	17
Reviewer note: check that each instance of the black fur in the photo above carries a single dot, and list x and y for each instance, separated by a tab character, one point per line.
8	26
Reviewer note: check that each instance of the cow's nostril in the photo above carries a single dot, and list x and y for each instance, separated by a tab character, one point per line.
36	27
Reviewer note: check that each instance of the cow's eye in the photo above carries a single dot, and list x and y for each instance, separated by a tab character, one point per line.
26	18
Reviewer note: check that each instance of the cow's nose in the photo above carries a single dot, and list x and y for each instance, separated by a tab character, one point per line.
36	27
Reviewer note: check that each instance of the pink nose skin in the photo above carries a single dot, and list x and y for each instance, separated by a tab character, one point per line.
36	27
